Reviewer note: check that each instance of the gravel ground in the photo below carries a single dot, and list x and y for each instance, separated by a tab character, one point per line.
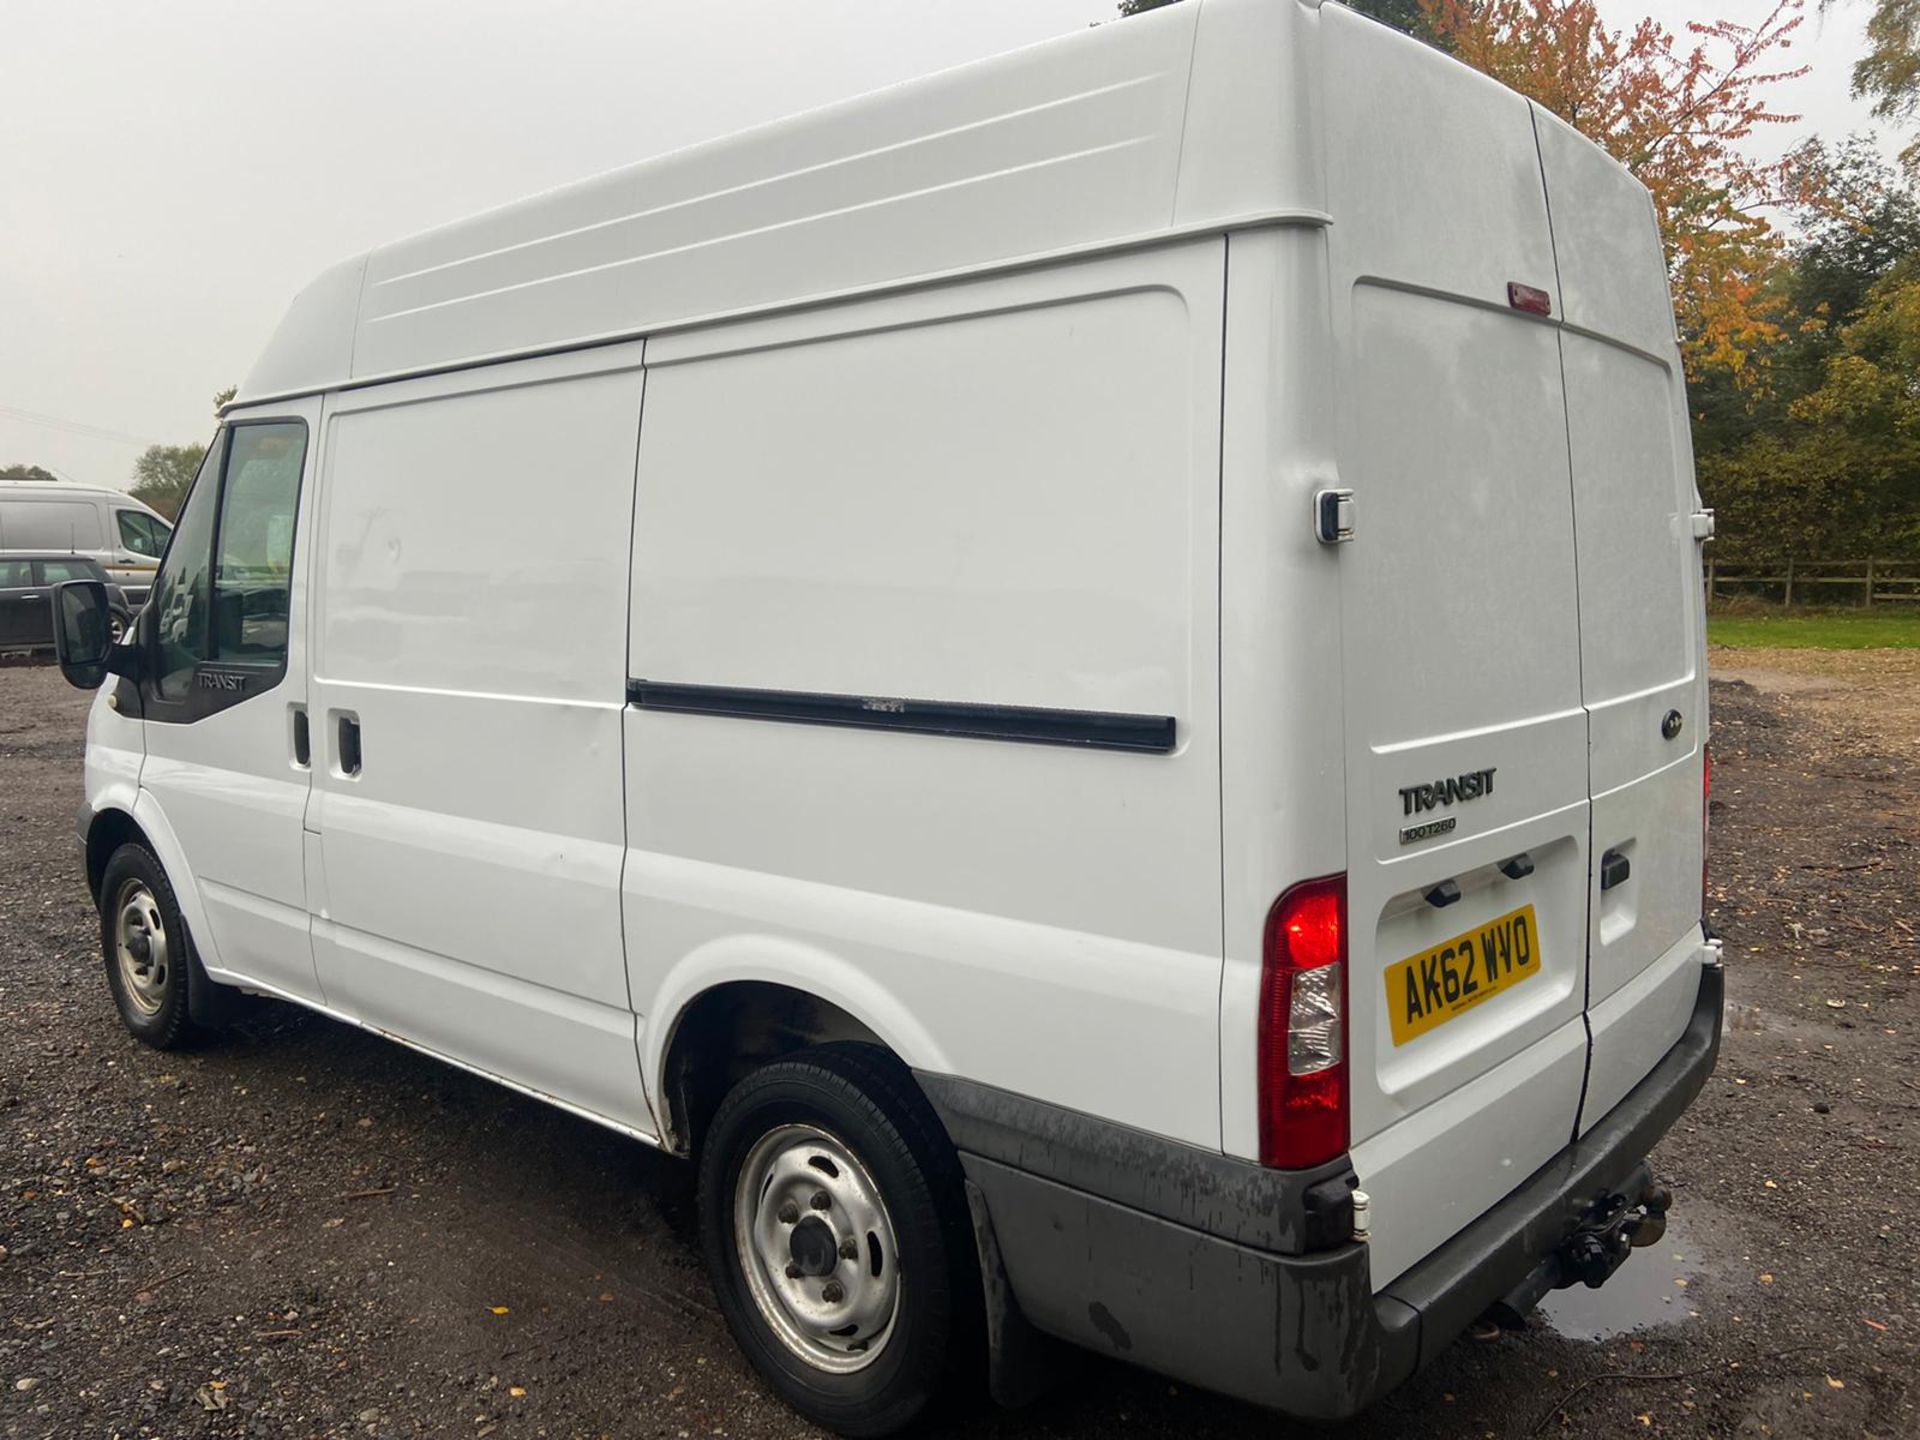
305	1231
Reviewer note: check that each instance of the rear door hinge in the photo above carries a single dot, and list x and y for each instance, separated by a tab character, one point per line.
1703	525
1333	516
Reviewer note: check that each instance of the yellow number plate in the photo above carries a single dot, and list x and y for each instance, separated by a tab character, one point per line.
1429	989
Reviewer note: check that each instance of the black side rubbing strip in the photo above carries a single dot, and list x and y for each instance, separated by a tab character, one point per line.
1090	729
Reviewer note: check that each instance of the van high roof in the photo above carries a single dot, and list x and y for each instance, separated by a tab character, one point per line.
1193	118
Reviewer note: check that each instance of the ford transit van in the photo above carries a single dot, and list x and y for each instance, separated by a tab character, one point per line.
51	518
1097	708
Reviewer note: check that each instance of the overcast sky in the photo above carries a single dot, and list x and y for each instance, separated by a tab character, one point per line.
170	174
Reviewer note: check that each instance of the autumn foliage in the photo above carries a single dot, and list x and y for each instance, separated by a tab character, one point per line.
1680	113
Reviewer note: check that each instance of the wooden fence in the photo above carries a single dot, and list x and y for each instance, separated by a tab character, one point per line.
1819	582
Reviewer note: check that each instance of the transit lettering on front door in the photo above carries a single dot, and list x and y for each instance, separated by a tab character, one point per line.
1428	989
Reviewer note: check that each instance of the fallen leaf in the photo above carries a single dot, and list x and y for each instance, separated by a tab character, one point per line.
517	1391
606	1298
1772	1186
1766	1278
499	1310
1836	1004
1645	1418
1833	1384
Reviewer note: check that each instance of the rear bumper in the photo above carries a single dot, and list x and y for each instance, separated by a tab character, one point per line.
1177	1261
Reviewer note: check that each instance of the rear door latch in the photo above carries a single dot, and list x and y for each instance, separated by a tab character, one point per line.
1703	524
1333	516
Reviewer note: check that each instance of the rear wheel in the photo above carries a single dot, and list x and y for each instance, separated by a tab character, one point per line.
149	956
835	1228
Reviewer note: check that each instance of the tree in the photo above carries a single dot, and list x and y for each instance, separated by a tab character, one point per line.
162	474
1889	72
25	472
1681	117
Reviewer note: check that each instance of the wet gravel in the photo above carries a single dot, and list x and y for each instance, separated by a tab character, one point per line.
301	1230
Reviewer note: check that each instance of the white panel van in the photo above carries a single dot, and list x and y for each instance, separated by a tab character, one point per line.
1096	705
55	518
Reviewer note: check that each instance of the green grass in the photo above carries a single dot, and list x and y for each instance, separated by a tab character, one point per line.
1879	628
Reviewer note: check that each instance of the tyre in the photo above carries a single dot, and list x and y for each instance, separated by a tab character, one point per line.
835	1228
117	623
151	968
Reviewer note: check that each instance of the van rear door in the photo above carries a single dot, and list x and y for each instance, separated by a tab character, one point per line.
1466	766
1641	618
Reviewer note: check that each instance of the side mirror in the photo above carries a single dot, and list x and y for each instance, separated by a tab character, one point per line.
83	636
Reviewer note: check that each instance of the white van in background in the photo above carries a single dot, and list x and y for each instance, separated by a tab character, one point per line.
125	536
1098	705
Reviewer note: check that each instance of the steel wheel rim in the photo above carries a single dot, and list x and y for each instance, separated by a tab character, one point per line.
140	948
116	629
825	1276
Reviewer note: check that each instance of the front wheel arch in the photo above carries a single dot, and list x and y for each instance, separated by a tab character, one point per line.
108	831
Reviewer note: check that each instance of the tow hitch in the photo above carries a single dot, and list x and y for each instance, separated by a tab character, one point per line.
1613	1226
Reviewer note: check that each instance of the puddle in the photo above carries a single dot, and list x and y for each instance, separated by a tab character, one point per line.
1642	1293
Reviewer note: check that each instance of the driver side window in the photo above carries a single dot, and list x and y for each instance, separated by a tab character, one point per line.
182	595
223	592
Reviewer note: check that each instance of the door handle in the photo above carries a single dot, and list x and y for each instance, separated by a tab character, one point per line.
1614	869
302	739
29	597
348	749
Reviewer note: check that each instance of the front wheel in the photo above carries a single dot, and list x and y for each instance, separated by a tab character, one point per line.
835	1228
149	956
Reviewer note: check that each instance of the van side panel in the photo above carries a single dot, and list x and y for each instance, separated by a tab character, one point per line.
1001	494
472	621
1283	730
1059	144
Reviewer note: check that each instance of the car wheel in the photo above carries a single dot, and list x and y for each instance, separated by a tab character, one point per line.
835	1227
149	956
116	627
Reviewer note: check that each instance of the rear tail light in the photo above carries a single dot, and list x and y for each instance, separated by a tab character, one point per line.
1303	1026
1706	821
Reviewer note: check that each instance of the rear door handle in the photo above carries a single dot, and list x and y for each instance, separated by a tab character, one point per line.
1614	869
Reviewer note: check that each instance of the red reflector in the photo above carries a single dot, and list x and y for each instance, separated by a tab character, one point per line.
1527	298
1303	1026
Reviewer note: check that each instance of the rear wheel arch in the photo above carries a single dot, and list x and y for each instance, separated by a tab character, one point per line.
733	1028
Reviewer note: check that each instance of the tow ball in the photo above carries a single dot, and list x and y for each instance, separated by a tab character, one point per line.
1631	1218
1617	1224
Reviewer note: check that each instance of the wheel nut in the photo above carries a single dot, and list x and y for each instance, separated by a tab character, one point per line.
821	1200
833	1293
789	1213
849	1250
794	1272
